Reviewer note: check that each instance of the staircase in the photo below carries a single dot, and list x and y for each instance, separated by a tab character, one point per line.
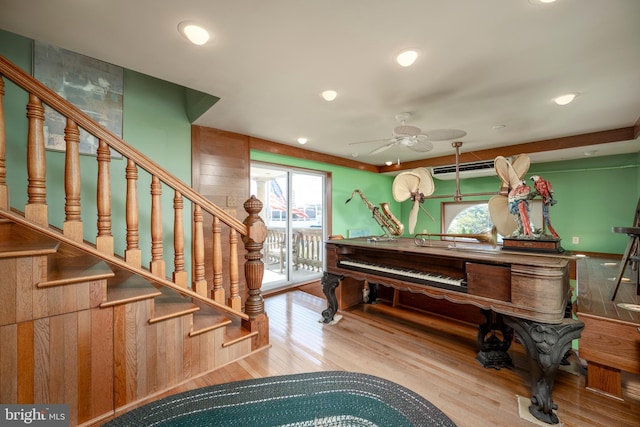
88	327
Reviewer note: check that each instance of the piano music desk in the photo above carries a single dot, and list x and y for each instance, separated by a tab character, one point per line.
526	292
610	341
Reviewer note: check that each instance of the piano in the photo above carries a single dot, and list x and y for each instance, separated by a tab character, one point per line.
517	292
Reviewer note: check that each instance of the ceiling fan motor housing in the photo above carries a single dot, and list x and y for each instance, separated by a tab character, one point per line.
406	130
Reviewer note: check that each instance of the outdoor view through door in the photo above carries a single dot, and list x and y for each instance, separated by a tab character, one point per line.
294	202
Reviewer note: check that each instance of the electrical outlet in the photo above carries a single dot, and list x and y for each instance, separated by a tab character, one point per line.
575	240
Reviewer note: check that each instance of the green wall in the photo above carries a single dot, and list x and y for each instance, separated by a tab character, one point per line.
593	195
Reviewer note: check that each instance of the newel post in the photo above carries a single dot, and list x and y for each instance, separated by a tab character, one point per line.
254	271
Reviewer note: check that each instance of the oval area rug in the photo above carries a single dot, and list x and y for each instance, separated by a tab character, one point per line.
329	398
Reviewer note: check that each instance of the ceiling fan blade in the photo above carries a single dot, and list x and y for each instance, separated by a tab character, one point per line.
379	140
445	134
383	148
406	130
421	146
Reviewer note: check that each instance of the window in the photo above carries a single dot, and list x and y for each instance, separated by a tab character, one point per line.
473	217
294	205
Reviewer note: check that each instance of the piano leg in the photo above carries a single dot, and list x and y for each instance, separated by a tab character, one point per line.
329	284
493	350
546	346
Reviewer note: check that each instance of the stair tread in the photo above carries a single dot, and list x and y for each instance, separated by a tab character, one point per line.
206	320
14	247
67	270
234	335
124	288
171	304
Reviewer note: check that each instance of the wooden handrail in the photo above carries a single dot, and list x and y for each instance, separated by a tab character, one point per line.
48	96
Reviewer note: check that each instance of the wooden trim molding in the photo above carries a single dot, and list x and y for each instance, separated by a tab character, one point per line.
603	137
583	140
300	153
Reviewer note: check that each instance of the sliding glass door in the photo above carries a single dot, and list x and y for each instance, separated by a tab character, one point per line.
294	202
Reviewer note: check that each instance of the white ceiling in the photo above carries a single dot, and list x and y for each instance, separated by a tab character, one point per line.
482	64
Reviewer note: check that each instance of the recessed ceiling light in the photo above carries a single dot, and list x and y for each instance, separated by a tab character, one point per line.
388	163
407	58
329	95
537	2
302	141
194	33
565	99
498	126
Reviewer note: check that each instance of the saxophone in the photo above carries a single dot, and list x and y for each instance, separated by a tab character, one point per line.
383	216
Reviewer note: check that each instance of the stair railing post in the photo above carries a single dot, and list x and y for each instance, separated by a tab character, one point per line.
132	254
199	282
36	209
72	182
235	301
254	272
104	239
157	266
217	292
179	273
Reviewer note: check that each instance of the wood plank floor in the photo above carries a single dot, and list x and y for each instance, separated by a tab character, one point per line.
432	356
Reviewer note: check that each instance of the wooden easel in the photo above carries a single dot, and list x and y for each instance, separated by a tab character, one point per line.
631	252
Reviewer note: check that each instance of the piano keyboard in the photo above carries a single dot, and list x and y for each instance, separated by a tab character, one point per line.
414	276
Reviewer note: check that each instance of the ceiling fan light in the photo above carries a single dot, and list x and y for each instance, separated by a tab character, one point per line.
194	33
407	58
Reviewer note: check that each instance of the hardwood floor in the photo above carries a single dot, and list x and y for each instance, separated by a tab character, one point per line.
432	356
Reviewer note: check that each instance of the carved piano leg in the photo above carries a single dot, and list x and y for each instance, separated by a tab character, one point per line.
546	346
329	284
493	350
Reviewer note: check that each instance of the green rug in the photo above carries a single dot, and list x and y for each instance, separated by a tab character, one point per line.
331	398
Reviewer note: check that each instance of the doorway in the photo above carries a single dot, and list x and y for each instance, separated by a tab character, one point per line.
294	205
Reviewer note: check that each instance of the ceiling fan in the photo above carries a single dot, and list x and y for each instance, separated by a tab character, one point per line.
411	137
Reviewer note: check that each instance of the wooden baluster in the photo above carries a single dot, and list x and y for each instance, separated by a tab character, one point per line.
254	272
72	182
217	293
4	191
179	274
157	265
104	240
235	301
36	208
199	281
132	254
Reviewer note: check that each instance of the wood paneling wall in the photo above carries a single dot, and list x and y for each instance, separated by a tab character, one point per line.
56	345
220	167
